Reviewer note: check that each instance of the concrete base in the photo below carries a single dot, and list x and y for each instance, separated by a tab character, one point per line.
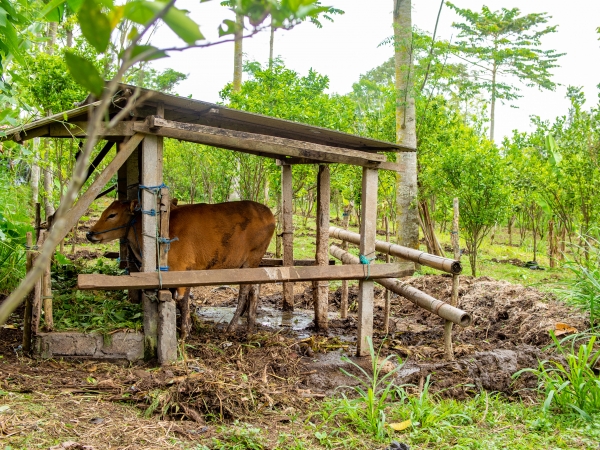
120	345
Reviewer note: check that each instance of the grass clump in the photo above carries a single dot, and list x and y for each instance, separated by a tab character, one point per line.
573	386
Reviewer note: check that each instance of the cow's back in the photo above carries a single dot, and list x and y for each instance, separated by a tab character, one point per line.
219	236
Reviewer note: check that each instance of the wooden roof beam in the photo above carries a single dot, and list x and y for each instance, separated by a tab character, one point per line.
268	145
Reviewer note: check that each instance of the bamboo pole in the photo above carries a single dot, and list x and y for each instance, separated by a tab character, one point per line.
419	298
321	288
287	232
448	350
417	256
47	297
344	298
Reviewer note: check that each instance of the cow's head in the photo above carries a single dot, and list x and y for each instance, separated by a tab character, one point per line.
114	223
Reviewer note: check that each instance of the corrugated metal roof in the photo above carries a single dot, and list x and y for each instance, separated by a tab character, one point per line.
182	109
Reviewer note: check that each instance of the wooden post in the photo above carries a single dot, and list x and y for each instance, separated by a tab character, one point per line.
150	176
28	300
38	221
288	233
448	350
167	323
344	298
368	228
122	196
47	295
132	177
388	294
321	288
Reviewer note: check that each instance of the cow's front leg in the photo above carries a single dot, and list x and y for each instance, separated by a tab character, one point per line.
183	295
241	306
252	307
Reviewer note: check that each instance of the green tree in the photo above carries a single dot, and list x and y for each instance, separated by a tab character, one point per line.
504	46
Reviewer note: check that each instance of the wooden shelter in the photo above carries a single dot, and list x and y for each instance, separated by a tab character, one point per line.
139	163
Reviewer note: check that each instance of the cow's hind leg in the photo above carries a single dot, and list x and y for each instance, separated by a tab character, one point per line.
184	309
241	306
252	306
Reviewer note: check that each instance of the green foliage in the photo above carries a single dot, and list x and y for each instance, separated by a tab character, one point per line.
89	311
505	43
14	224
584	289
48	84
574	387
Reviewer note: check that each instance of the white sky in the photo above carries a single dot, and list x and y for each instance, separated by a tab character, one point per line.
349	47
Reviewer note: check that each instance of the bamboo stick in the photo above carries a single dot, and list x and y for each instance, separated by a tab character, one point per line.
448	350
28	300
417	256
419	298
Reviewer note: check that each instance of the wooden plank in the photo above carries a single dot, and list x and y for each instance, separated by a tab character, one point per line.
287	233
78	130
277	262
150	176
255	142
262	275
321	288
368	229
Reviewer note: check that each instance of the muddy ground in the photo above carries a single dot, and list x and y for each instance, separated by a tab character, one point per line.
276	372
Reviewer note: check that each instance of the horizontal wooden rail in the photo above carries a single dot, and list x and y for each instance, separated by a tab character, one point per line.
426	259
276	262
261	275
419	298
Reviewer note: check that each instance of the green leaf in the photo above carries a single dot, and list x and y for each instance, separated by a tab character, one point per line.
139	12
75	5
178	21
95	25
84	72
50	10
227	27
3	15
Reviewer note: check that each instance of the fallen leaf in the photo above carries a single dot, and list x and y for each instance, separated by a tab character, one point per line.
399	426
562	328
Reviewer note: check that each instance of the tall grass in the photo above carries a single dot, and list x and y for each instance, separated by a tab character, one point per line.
572	386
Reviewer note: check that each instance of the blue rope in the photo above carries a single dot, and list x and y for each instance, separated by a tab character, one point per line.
366	261
164	268
162	240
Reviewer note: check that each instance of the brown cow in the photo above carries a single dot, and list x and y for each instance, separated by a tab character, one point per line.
221	236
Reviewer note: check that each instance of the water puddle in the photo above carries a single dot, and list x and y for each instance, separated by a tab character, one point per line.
296	320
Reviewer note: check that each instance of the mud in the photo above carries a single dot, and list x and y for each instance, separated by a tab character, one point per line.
286	363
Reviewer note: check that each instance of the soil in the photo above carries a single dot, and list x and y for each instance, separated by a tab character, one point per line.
275	372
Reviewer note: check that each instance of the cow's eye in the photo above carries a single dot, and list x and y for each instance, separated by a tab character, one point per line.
112	215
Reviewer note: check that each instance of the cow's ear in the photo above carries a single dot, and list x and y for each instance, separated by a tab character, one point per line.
133	206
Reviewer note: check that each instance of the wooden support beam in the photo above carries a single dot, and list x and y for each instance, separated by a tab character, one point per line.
122	196
321	288
98	159
261	275
238	140
384	165
287	233
28	300
150	177
368	229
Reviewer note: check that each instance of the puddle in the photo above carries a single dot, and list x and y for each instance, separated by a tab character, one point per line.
296	320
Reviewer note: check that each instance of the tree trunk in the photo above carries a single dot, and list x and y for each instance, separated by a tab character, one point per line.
406	195
493	104
511	221
48	184
238	53
271	42
52	29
